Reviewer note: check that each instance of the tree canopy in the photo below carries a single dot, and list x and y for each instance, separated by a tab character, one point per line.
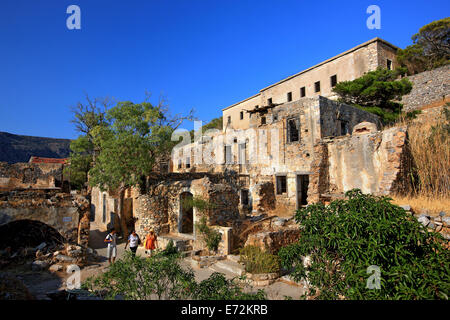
376	92
430	48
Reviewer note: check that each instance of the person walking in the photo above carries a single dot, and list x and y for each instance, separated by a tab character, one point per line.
151	242
111	240
134	241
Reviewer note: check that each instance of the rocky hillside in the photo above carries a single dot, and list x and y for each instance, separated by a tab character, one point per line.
15	148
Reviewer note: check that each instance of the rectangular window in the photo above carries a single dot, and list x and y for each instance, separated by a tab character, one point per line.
293	129
263	120
242	115
269	101
389	64
333	81
244	197
228	158
302	92
281	184
289	96
180	165
229	119
317	86
188	162
242	147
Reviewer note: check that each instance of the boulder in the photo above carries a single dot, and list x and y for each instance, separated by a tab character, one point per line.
41	246
39	265
64	258
423	220
55	268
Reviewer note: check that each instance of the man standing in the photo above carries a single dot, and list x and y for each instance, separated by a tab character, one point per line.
111	239
134	242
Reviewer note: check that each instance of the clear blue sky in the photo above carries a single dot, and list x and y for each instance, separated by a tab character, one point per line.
202	54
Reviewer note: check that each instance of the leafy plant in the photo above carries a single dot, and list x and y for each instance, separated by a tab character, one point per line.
217	287
162	277
138	278
257	261
212	237
346	237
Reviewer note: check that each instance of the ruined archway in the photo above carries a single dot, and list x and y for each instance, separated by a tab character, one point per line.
28	233
186	219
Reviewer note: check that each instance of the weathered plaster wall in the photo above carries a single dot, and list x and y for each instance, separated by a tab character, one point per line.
371	162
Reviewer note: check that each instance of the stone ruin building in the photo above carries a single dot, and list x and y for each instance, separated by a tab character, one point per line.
38	193
290	145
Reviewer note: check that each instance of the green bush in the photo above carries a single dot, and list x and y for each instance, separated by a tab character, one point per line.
162	277
217	287
346	237
257	261
212	237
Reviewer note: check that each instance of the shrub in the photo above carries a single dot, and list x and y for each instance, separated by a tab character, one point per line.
257	261
217	287
162	277
346	237
212	237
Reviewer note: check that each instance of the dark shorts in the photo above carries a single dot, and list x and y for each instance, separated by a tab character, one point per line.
133	249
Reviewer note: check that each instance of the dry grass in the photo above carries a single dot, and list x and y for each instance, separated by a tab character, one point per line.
423	203
429	142
430	148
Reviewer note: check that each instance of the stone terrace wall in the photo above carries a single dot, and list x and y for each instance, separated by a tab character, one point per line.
429	88
54	209
372	162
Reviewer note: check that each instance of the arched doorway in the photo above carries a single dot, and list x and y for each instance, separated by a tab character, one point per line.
186	220
28	233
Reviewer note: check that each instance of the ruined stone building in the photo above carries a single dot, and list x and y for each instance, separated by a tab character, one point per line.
38	192
288	146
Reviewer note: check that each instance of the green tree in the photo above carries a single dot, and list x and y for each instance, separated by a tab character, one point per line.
87	116
135	138
430	48
345	238
376	92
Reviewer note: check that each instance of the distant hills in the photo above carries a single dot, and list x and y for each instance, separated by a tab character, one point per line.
16	148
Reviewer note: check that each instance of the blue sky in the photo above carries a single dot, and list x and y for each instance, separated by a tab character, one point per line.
201	54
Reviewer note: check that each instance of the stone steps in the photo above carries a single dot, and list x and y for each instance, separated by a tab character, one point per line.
228	266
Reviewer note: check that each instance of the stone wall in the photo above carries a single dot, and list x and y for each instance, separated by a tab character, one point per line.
430	88
30	175
160	207
54	209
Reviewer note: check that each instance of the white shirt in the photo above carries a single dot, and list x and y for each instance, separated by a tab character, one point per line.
112	237
133	240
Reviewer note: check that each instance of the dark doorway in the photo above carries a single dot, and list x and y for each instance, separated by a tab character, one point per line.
302	190
186	213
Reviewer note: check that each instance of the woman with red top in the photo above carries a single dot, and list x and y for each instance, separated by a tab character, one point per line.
151	242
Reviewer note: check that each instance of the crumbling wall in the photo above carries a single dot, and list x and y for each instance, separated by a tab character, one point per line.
430	88
159	208
54	209
372	162
30	175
